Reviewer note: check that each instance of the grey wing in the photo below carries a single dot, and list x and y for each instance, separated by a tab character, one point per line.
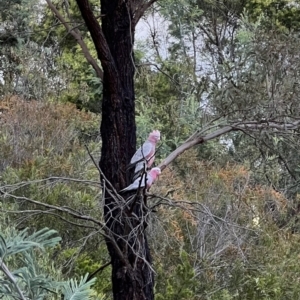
142	152
138	182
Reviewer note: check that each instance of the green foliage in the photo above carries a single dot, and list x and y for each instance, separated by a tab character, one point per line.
74	290
246	74
78	82
181	282
89	262
83	87
25	275
169	102
283	14
45	159
224	238
186	13
21	63
21	242
226	61
41	61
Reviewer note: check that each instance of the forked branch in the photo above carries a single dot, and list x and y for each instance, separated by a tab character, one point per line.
79	38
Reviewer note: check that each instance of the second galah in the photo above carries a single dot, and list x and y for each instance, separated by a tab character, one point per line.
140	181
145	154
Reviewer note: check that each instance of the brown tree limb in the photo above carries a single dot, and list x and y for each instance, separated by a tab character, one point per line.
78	37
102	48
141	11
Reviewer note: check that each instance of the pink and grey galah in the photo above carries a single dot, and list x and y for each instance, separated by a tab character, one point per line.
151	176
145	154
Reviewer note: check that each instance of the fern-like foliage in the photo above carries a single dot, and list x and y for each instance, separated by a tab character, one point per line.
21	242
21	275
73	290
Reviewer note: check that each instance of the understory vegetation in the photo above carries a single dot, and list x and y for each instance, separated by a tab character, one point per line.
224	220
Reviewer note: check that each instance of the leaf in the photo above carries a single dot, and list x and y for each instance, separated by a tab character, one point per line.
77	291
3	247
22	242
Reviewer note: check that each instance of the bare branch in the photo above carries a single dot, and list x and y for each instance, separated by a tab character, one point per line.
191	207
140	11
79	38
52	179
176	83
114	193
244	126
75	214
65	209
48	212
198	139
98	270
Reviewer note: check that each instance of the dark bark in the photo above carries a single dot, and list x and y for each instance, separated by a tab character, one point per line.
132	277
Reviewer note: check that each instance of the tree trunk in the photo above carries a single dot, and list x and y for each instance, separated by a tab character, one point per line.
132	277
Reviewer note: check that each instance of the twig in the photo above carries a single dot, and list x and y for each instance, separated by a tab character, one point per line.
78	37
70	211
98	270
37	211
11	278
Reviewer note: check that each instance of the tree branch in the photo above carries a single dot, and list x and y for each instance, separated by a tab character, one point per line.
139	12
98	270
198	139
51	180
244	126
64	209
102	48
78	37
31	212
107	233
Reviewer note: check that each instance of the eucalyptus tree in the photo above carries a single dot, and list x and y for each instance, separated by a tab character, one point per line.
239	63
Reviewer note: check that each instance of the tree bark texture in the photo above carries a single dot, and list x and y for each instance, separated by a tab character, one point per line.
132	277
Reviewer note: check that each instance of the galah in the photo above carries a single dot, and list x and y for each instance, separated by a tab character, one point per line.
151	176
145	154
